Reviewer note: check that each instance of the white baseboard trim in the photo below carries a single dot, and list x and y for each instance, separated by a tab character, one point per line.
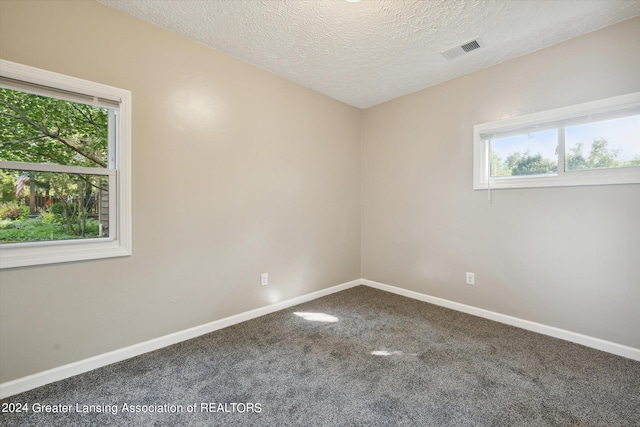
39	379
30	382
587	341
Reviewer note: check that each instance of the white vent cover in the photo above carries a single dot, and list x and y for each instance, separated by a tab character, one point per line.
463	48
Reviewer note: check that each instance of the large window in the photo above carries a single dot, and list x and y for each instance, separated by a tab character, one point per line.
64	168
587	144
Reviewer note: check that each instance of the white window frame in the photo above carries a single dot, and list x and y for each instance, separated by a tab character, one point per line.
557	118
119	172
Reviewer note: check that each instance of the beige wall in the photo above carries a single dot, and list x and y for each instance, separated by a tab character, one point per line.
564	257
235	172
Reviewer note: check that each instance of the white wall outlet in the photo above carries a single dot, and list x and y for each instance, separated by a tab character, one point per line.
264	279
471	278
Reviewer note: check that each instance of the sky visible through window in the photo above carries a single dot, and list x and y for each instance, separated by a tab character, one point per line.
622	136
544	142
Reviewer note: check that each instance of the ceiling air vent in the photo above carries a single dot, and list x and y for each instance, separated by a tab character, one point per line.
462	49
472	45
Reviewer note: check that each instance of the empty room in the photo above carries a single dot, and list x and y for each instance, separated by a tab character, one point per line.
320	213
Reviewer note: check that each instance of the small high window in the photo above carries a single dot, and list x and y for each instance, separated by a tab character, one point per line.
65	168
587	144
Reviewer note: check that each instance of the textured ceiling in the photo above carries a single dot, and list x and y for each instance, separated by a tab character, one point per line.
373	51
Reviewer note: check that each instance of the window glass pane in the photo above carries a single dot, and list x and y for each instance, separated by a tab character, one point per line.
526	154
42	206
38	129
603	145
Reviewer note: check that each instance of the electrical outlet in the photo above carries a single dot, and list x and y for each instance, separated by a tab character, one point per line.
471	278
264	279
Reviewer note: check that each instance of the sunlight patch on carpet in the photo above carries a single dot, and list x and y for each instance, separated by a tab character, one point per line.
391	353
317	317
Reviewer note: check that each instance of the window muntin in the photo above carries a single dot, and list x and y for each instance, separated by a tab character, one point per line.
88	174
586	144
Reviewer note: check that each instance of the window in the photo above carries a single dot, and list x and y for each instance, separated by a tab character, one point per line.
587	144
64	168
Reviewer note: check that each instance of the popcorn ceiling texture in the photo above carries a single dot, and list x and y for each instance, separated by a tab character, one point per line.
370	52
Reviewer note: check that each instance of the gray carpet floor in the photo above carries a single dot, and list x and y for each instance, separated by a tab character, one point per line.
361	357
